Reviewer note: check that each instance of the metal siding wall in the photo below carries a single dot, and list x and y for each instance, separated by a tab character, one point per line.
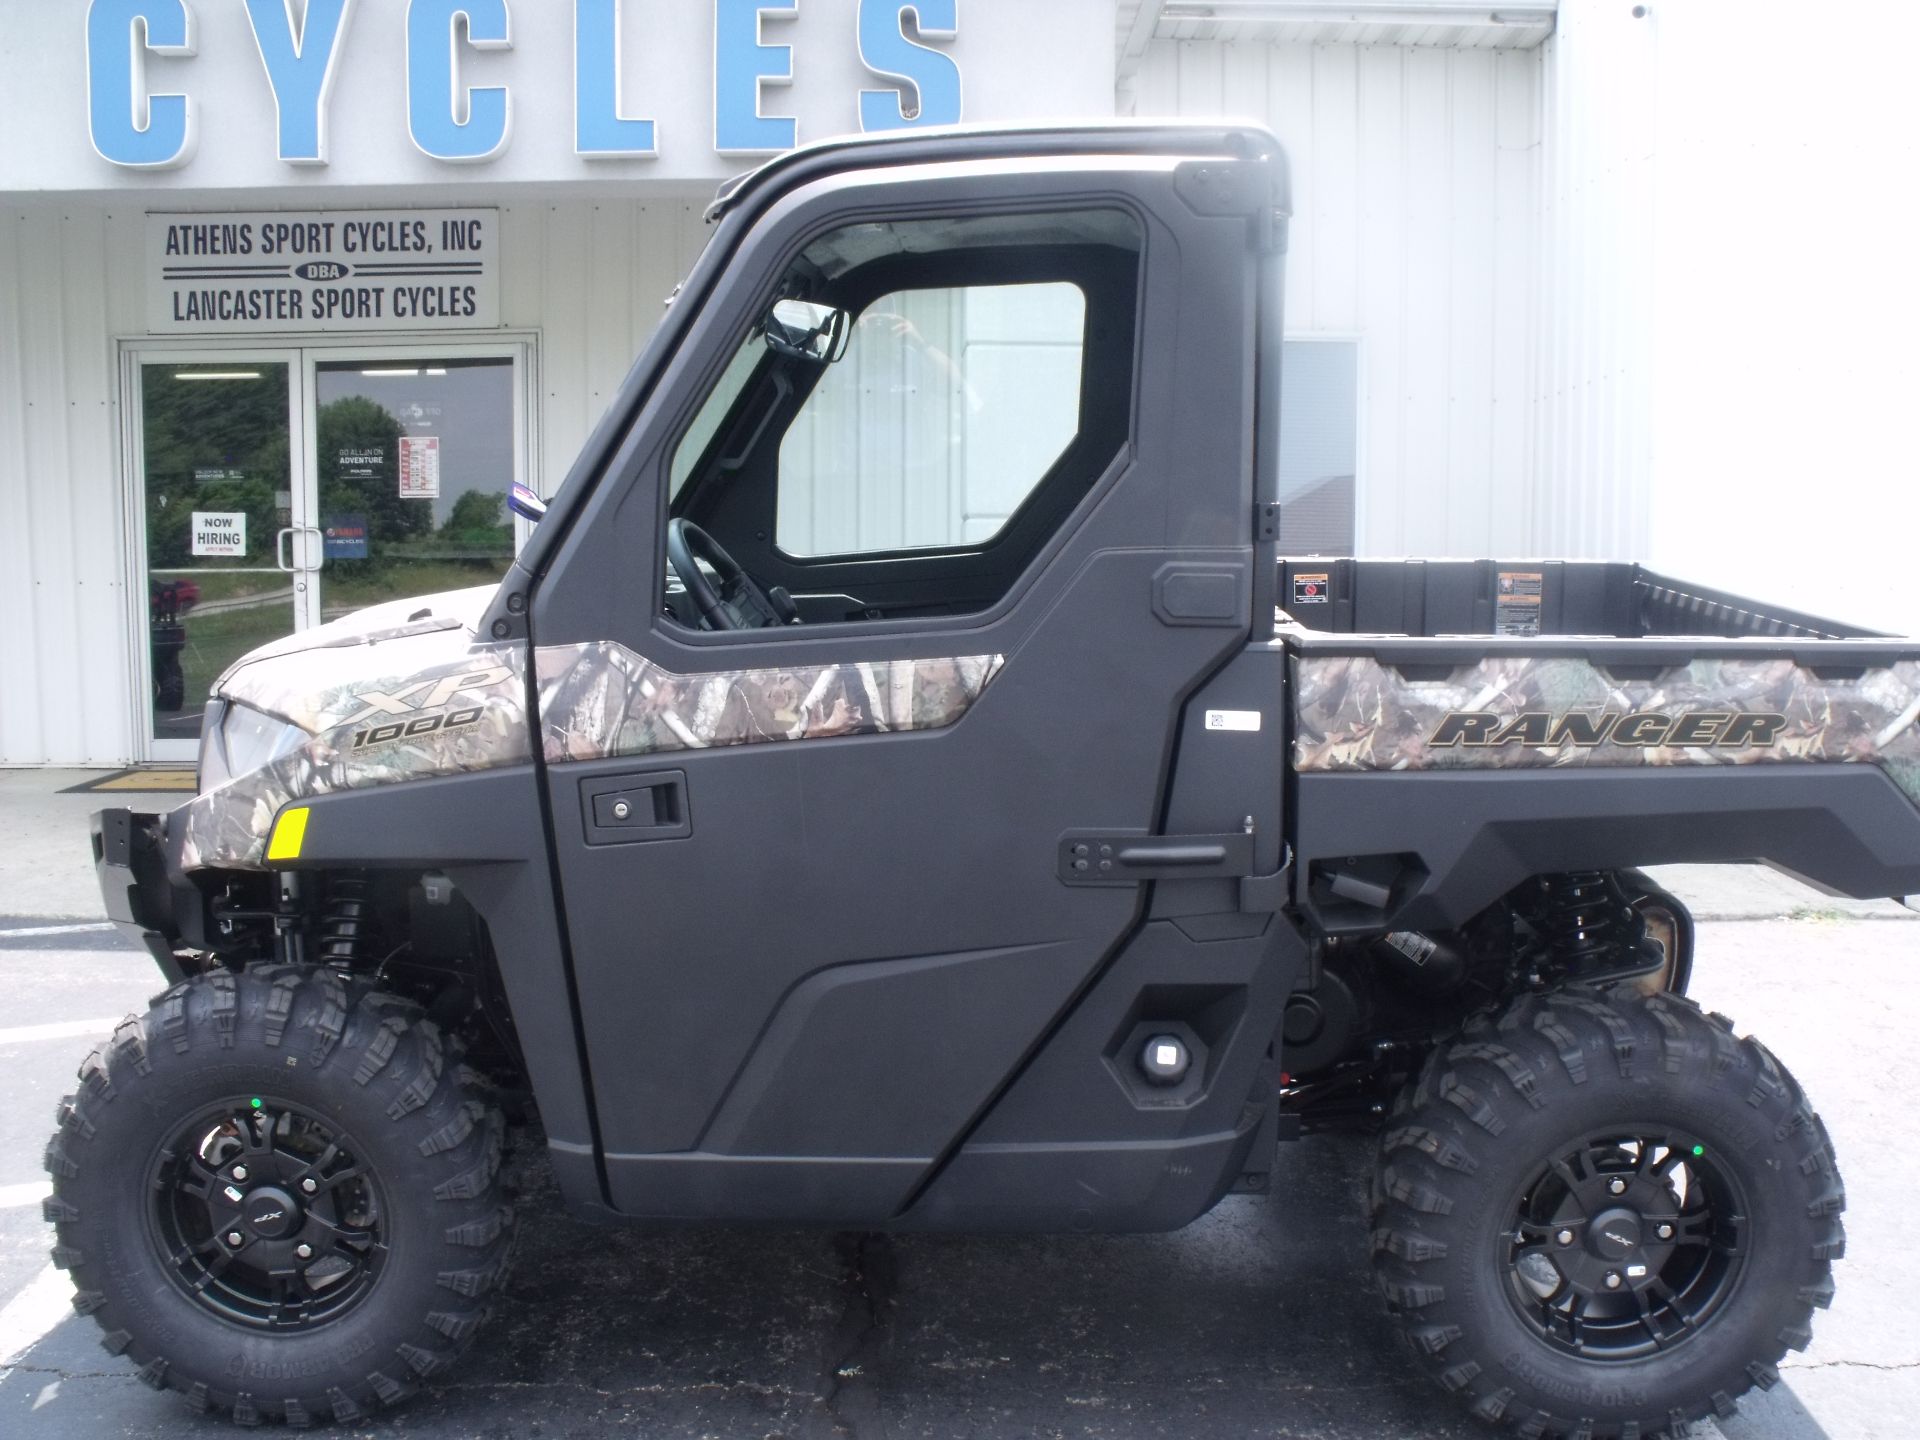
63	656
1593	452
592	276
1415	185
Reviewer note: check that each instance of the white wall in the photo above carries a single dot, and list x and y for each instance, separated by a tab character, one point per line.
1593	383
1786	363
593	277
1415	199
68	280
1746	234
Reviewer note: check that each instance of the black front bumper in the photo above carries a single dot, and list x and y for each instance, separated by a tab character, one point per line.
130	858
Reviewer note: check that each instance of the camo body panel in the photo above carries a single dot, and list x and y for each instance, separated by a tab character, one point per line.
597	701
323	692
1355	713
602	699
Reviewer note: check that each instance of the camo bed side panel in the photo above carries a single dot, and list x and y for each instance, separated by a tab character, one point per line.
1524	712
467	711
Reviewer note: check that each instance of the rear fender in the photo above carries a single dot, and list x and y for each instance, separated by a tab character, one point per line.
1429	850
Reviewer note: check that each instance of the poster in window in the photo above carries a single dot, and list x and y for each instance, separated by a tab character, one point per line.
419	467
362	462
344	537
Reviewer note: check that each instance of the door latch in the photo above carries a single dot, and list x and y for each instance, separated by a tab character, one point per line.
623	809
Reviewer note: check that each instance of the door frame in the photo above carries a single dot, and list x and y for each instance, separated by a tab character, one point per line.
300	354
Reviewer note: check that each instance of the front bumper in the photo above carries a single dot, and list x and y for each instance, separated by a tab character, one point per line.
131	860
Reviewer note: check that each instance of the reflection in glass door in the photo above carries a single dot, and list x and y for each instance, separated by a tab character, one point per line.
222	521
413	461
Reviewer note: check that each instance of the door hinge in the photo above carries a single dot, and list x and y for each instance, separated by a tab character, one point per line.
1266	520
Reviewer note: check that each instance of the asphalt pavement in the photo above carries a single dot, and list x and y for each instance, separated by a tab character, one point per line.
1259	1320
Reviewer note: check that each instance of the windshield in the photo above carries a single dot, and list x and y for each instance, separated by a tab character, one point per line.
700	434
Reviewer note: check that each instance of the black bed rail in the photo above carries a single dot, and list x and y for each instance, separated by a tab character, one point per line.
1674	607
1341	595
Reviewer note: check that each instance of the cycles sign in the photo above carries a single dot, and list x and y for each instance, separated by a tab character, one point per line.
460	108
327	270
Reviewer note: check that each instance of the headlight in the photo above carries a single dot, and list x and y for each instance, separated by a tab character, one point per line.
236	740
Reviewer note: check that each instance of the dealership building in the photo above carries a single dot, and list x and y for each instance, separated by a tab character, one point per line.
292	291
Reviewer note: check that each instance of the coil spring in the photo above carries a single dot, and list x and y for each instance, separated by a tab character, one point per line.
343	924
1585	918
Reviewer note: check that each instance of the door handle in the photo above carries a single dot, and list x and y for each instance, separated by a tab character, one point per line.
625	809
280	551
1119	857
318	534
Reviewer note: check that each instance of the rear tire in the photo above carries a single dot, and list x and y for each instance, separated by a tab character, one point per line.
1623	1160
336	1116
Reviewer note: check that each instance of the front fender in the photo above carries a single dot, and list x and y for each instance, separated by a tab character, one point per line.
486	831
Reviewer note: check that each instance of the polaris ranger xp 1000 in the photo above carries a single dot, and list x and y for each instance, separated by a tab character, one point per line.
904	783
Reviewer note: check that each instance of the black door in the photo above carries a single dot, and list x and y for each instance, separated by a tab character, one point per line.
810	871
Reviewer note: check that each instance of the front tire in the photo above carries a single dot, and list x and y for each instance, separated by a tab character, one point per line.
1604	1216
278	1195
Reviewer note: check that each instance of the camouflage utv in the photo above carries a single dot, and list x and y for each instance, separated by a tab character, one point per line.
937	868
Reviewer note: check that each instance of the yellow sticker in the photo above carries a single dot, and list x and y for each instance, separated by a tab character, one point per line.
289	833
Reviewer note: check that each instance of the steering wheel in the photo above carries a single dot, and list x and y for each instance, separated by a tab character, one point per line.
685	542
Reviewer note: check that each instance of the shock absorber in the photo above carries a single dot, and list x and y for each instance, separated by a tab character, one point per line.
1588	928
344	922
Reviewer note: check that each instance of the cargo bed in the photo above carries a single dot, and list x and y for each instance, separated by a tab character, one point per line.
1450	717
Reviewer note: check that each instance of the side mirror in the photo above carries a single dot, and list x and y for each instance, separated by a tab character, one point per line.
806	331
523	502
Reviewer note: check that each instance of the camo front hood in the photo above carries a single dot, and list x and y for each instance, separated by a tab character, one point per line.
296	676
402	691
391	695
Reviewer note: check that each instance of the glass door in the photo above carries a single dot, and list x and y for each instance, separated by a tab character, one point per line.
413	457
278	489
223	515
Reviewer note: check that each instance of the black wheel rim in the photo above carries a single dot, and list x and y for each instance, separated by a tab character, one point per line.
1626	1245
267	1215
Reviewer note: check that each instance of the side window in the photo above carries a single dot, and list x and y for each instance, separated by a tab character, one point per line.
913	414
732	381
946	411
1319	445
